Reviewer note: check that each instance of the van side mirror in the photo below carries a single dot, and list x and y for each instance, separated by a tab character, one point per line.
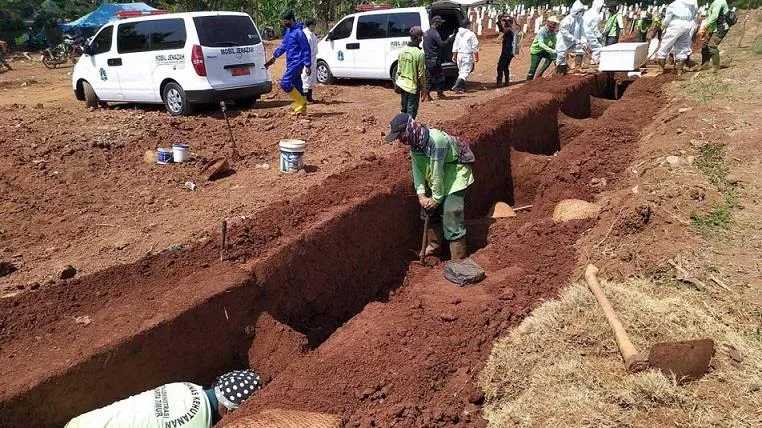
330	35
88	49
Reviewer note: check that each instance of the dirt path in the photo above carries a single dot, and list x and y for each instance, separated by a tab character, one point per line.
75	189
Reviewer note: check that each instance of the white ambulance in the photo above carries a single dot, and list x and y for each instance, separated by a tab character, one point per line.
177	59
366	45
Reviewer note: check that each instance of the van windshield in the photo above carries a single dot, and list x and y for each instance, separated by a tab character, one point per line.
224	31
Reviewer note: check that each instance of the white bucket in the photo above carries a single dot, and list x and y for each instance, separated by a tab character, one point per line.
291	155
180	152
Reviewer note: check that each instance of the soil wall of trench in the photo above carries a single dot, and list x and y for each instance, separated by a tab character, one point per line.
292	275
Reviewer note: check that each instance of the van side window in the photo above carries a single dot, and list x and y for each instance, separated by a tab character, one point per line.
168	34
372	26
344	29
102	42
401	23
154	35
133	37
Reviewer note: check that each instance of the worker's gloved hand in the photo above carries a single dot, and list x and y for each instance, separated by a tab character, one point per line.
307	71
553	56
270	62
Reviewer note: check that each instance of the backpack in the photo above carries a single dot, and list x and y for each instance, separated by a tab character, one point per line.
730	17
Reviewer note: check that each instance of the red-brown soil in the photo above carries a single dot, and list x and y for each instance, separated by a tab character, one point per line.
309	262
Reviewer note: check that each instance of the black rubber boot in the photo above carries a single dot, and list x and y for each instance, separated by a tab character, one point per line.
441	95
309	97
562	69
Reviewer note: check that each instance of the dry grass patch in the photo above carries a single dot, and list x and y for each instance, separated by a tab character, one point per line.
561	366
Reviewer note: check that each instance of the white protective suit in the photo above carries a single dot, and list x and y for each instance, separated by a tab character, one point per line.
593	34
309	81
466	45
571	33
679	24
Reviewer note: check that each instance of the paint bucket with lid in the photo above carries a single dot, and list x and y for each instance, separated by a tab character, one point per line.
163	156
180	152
292	155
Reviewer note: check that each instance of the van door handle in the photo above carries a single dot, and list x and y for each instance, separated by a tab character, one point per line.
353	46
114	62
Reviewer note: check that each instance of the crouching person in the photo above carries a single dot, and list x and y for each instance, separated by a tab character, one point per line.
441	174
175	404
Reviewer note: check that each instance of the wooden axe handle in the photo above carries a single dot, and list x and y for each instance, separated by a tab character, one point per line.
633	360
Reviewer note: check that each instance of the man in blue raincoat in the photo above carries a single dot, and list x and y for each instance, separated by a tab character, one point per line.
298	57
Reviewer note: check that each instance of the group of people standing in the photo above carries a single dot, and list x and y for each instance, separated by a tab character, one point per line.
419	64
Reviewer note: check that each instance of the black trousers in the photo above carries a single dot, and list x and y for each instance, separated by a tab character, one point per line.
435	78
503	67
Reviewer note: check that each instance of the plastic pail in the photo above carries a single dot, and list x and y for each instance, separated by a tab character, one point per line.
291	155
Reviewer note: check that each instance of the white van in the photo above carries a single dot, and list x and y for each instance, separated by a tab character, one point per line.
366	45
177	59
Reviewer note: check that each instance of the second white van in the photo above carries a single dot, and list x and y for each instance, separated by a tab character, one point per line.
366	45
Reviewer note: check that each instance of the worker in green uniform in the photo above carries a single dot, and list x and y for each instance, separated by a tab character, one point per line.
613	26
411	74
718	28
180	404
441	173
643	25
543	48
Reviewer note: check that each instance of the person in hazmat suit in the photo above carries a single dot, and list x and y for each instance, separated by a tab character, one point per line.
571	36
298	56
679	24
593	34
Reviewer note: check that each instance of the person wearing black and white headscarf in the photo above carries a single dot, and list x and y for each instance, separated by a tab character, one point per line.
175	404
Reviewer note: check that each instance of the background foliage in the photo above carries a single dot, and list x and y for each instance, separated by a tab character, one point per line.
43	15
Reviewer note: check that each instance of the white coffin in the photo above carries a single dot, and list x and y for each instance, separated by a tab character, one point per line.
623	56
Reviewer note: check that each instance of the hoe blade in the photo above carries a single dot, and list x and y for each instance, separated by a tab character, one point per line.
687	360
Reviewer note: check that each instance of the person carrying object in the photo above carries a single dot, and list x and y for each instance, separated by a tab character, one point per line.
175	404
465	53
678	24
432	51
572	32
592	20
717	27
506	52
543	48
441	166
298	57
309	79
411	74
613	26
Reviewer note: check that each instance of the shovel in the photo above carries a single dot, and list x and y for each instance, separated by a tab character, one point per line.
686	360
425	239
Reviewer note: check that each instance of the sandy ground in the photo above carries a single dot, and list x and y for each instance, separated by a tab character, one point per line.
76	191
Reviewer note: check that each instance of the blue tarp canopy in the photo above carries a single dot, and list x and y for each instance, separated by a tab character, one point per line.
103	15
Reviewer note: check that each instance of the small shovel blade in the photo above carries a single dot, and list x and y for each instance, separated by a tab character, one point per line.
687	360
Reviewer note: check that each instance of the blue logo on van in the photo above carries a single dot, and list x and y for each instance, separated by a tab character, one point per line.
102	71
341	56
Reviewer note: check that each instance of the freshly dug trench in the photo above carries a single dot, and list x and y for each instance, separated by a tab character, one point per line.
412	361
178	298
569	128
598	106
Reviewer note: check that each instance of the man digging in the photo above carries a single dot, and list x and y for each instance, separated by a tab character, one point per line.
441	167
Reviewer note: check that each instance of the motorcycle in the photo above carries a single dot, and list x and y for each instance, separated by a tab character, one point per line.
71	49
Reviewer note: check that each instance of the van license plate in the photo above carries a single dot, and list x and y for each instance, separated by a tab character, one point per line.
240	71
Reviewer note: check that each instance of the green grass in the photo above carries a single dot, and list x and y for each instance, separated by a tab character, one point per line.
706	90
712	161
756	45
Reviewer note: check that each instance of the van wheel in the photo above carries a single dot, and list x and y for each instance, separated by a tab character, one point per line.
175	100
324	75
393	73
91	98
